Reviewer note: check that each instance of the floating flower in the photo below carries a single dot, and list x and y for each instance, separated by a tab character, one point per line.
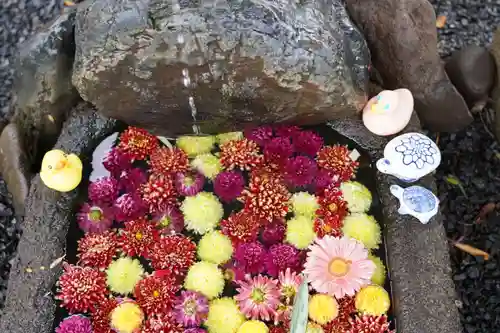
224	316
100	316
170	220
138	237
380	271
123	274
328	225
75	324
129	206
215	247
174	253
191	309
300	232
282	257
370	324
268	170
127	317
338	266
307	142
373	300
251	257
205	278
208	165
97	250
286	130
162	323
117	161
228	185
337	159
132	179
258	297
332	204
80	289
253	326
363	228
283	313
342	322
202	212
189	184
289	283
274	232
156	294
304	204
325	179
103	191
261	135
196	145
277	329
159	192
166	161
94	218
314	328
195	330
323	308
358	197
226	137
240	227
233	273
278	150
300	171
242	154
137	143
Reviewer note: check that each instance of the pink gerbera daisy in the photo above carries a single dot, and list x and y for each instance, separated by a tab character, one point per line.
338	266
289	284
258	297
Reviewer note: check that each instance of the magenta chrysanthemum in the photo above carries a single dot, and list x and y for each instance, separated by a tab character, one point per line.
75	324
258	297
131	179
325	179
228	185
81	289
159	192
240	154
190	309
195	330
97	250
281	257
286	130
232	272
300	171
240	228
175	253
261	134
251	257
274	232
278	150
117	161
138	143
370	324
103	190
138	237
166	161
100	316
156	295
170	220
94	218
337	159
307	142
189	184
129	206
162	323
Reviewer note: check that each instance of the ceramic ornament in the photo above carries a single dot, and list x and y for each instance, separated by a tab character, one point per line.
388	112
409	157
98	156
300	312
416	201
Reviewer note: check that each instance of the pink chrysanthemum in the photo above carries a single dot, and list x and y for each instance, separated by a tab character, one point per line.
228	185
240	228
117	161
342	323
129	206
137	143
75	324
281	257
138	237
162	323
103	191
132	179
261	134
325	179
286	130
258	297
332	204
370	324
165	161
94	218
289	284
283	313
300	171
156	295
175	253
189	184
251	257
191	309
278	150
336	158
307	142
274	232
170	220
159	192
97	250
81	289
240	154
100	316
338	266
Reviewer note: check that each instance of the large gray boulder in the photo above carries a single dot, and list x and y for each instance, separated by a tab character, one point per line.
167	65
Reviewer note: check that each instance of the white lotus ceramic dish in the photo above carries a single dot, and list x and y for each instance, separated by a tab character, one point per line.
416	201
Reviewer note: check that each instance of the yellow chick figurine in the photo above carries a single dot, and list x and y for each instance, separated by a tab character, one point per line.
60	171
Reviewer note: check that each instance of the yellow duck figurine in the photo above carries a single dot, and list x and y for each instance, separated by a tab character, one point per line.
60	171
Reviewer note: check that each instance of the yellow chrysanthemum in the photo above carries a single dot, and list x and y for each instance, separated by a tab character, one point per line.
378	276
372	300
215	247
202	212
253	326
314	328
206	278
323	308
364	228
123	274
304	204
231	136
127	317
357	196
300	232
196	145
208	165
224	316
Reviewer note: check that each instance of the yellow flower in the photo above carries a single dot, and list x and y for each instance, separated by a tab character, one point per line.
364	228
196	145
208	165
127	317
314	328
378	276
323	308
372	300
215	247
123	274
231	136
304	204
224	316
253	326
300	232
202	212
206	278
357	196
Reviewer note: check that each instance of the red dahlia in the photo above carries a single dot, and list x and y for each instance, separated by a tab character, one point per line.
159	192
168	160
97	250
336	158
332	204
277	329
81	289
137	143
242	154
175	253
370	324
328	225
162	323
100	316
342	323
138	237
156	294
240	227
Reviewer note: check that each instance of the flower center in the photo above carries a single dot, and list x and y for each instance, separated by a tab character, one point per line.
332	207
339	267
165	222
139	235
327	228
156	293
95	214
190	307
258	295
188	181
288	291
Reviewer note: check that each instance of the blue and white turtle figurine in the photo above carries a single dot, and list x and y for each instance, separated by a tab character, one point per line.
416	201
409	157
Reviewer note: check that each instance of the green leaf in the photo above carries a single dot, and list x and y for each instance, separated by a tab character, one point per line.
300	310
452	180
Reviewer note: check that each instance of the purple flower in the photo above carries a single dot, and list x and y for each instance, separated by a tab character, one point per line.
300	171
94	218
116	161
251	257
281	257
286	130
232	272
132	179
278	150
170	220
75	324
195	330
228	185
129	206
274	233
323	180
261	134
307	142
104	190
189	184
190	309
